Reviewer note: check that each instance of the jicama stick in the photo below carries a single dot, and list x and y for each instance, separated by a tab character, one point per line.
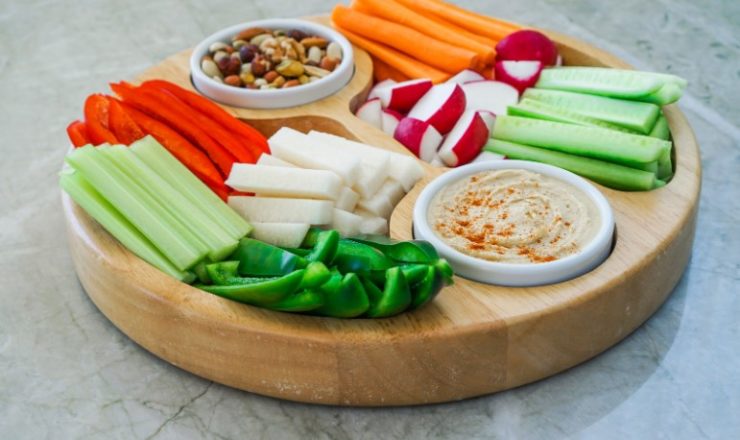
429	50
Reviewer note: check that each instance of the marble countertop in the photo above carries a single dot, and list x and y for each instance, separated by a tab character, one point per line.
68	373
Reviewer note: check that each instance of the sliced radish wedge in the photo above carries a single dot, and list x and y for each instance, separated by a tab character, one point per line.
487	156
466	140
492	96
371	112
402	96
374	91
441	106
420	137
465	76
519	74
390	119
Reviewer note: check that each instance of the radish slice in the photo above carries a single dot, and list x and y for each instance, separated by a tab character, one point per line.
374	91
466	140
492	96
371	112
519	74
441	106
390	119
487	156
527	45
402	96
465	76
420	137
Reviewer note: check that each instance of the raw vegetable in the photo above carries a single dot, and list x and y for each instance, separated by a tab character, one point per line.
519	74
402	96
345	297
256	258
282	210
441	107
467	138
606	173
257	291
371	111
96	120
492	96
383	72
527	45
420	137
531	108
123	126
284	182
466	76
660	129
394	298
77	132
280	234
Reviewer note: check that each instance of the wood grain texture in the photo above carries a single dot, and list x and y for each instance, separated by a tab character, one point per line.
473	339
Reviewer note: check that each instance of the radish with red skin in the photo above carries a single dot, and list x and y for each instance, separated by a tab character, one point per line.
371	112
527	45
420	137
466	140
466	76
402	96
390	119
519	74
374	91
441	106
488	95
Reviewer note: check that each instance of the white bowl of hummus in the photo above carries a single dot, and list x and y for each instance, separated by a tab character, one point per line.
515	223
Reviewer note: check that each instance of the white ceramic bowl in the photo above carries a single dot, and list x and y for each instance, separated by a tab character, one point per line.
512	274
273	98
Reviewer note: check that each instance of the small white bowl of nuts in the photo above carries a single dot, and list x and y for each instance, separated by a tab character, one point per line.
272	63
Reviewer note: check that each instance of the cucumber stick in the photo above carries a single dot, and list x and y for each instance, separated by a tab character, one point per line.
217	240
530	108
174	172
668	94
605	173
143	211
633	115
116	224
599	143
661	129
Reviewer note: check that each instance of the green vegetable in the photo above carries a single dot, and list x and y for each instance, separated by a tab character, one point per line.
413	251
599	143
325	247
530	108
605	173
360	258
445	271
425	290
660	129
258	258
395	297
632	115
303	301
201	273
114	222
599	81
344	297
668	94
316	274
223	273
257	291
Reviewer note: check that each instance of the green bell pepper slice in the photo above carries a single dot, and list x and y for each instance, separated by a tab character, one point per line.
302	301
360	258
395	297
445	270
412	251
316	274
414	273
425	290
201	273
258	291
257	258
221	273
344	297
325	247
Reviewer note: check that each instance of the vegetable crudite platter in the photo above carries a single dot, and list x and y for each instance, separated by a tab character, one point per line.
256	297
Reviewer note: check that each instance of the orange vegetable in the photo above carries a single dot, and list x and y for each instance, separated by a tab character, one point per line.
462	31
382	71
401	62
400	14
488	26
424	48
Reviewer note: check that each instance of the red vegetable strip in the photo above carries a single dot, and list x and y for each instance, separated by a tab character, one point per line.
257	141
144	102
77	132
96	120
122	125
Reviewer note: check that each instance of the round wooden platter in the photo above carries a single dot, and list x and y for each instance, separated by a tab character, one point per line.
473	339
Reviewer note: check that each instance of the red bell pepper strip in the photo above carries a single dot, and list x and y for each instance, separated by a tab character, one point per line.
96	120
77	132
256	140
189	155
123	127
195	134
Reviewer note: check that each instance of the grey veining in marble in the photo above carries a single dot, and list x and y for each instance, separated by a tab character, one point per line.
66	372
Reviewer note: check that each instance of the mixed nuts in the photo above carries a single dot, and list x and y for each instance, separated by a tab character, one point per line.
259	58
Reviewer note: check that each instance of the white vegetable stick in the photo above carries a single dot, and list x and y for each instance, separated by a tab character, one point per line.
369	181
374	225
347	199
280	234
272	161
284	181
393	190
373	156
346	223
405	169
378	205
299	149
276	210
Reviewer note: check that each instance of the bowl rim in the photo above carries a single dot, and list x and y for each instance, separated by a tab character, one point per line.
271	23
573	264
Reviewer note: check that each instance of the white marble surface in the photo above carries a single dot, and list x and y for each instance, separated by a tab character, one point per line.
66	372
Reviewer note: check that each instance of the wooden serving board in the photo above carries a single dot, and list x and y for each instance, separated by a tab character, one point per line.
473	339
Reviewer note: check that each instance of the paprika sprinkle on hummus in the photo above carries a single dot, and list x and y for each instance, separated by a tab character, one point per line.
514	216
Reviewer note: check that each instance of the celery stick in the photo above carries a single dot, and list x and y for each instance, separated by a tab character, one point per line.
148	216
530	108
605	173
216	239
634	115
600	143
116	224
600	81
167	166
661	129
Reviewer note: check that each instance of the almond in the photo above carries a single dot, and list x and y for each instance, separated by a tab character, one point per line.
314	42
248	34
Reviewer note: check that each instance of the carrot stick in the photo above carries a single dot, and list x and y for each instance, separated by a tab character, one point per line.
489	27
382	71
429	50
462	31
399	61
398	13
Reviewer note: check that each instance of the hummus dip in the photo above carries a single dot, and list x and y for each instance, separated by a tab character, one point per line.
514	216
